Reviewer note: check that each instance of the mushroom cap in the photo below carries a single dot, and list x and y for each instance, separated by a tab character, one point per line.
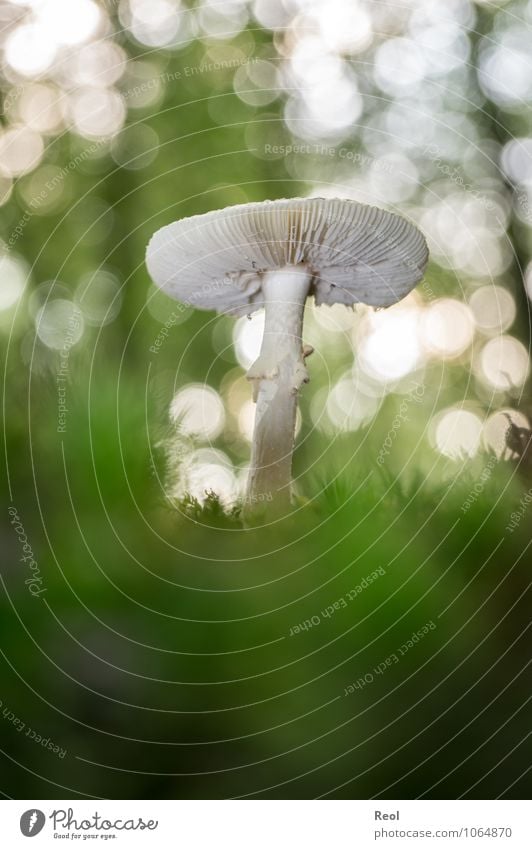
356	253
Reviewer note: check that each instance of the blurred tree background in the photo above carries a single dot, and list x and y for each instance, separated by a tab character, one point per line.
144	633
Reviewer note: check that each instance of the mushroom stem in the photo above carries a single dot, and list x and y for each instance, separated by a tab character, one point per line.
277	376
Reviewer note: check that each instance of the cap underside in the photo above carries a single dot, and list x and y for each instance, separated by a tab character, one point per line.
356	253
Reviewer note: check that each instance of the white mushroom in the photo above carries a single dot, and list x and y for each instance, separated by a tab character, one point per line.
274	255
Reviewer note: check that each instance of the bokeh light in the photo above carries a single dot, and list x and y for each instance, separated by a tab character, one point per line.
21	150
347	407
28	51
134	148
399	64
392	347
206	470
67	22
41	107
457	433
197	411
99	297
97	112
14	275
504	363
59	324
495	429
447	328
101	63
494	309
155	23
256	83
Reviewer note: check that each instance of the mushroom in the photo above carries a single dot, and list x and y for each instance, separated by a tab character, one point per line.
274	255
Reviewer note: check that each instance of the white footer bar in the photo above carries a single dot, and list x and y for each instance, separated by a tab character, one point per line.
267	824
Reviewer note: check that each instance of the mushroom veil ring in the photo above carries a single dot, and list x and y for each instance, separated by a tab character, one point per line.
274	255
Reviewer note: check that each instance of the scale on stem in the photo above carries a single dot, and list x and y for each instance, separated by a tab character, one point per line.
273	255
